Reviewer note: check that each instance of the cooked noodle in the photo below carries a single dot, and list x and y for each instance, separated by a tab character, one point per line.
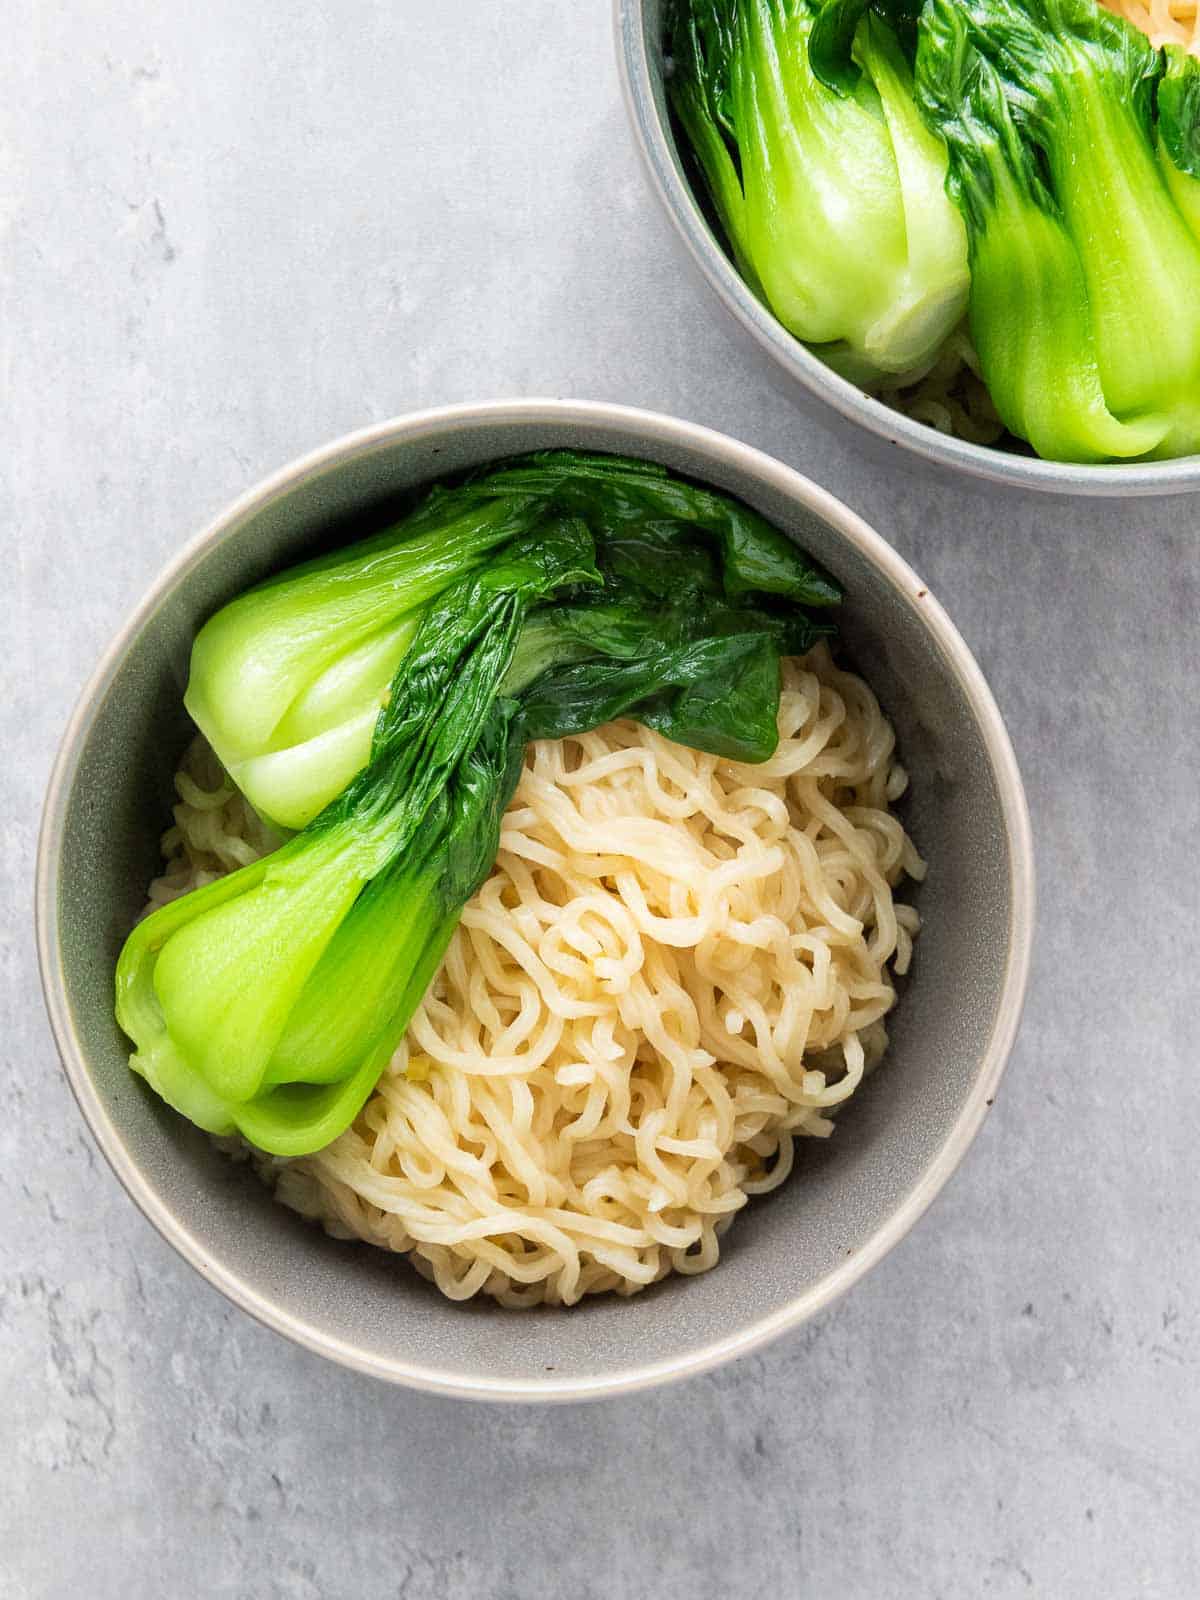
952	396
678	965
1163	21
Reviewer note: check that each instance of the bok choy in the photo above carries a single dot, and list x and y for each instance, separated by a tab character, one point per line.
1068	150
268	1002
1085	262
1178	103
830	189
286	681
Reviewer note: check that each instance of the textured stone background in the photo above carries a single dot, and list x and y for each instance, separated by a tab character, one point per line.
231	232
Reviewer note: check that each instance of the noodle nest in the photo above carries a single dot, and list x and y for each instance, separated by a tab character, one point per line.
677	967
1162	21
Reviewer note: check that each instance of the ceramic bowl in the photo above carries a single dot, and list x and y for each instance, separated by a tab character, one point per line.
787	1255
640	59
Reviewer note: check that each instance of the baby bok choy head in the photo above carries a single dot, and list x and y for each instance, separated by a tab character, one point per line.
830	187
1085	286
269	1002
286	681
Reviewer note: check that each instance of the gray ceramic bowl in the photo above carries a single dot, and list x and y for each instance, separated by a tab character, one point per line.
640	57
787	1255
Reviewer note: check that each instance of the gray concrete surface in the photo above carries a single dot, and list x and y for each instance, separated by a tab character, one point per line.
231	232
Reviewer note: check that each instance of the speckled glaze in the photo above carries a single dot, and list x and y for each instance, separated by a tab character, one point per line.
640	59
786	1256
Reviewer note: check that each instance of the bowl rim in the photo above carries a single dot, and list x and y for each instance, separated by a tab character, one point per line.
656	430
1114	479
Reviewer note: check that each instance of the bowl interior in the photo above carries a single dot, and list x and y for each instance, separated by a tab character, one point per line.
640	45
780	1255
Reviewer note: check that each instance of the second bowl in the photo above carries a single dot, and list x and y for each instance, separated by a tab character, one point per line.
639	37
